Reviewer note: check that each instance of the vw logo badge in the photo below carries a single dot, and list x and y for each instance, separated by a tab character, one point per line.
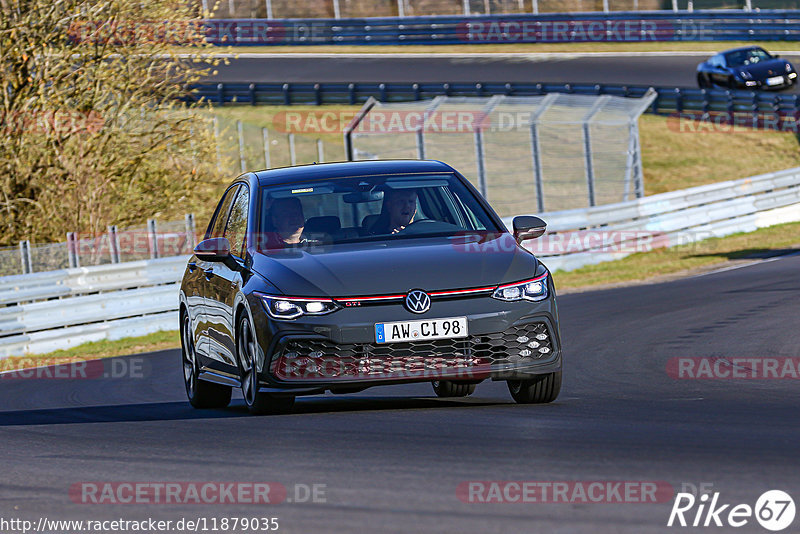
417	301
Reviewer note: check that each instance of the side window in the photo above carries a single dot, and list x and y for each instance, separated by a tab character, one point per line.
236	230
217	226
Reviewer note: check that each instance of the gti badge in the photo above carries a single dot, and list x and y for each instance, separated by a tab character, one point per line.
417	301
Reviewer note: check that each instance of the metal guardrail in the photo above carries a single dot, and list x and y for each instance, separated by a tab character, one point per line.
759	106
137	298
626	26
605	233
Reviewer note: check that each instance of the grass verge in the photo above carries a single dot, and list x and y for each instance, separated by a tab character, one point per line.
97	349
684	259
510	48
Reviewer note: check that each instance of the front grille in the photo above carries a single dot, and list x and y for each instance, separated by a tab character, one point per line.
468	358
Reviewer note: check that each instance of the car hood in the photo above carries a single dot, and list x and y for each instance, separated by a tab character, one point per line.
381	268
761	70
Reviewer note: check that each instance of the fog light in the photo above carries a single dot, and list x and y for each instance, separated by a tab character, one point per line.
541	337
751	83
533	344
524	353
315	354
512	293
315	307
522	339
544	350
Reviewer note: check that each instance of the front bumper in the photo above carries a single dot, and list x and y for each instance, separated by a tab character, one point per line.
340	349
762	84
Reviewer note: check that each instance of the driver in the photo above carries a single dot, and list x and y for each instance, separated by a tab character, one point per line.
398	210
287	219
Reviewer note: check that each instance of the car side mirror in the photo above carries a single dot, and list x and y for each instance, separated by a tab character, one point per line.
776	56
528	227
213	249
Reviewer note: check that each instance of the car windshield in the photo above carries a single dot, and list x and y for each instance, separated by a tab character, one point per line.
747	57
372	208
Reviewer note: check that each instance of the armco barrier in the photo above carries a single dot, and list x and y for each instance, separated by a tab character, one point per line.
48	311
753	108
714	25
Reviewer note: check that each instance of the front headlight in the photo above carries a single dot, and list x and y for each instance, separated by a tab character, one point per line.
285	308
533	289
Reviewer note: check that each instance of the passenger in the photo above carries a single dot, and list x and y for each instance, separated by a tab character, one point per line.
398	211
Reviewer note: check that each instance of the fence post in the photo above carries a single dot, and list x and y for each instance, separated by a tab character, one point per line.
337	14
113	243
216	141
205	7
420	137
191	231
605	6
292	154
535	7
748	5
589	164
537	166
231	9
152	234
72	250
25	257
480	160
240	131
320	151
265	136
401	8
675	5
269	9
466	8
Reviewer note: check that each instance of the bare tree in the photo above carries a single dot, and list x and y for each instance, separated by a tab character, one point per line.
93	121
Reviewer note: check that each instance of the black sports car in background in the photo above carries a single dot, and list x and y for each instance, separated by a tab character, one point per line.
342	276
751	68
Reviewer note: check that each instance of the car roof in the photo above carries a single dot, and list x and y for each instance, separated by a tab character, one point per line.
741	48
347	169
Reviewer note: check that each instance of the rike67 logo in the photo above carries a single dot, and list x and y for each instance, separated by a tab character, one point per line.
774	510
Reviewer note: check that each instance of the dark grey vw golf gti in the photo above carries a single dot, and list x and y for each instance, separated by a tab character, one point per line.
342	276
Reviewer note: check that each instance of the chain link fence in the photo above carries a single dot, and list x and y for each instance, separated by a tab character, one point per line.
246	146
284	9
156	240
524	154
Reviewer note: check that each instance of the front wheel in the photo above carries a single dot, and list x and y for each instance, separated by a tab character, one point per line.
258	403
540	390
703	82
446	388
201	394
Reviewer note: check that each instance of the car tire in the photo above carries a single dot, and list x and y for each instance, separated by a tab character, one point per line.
447	388
731	83
201	394
702	82
258	403
540	390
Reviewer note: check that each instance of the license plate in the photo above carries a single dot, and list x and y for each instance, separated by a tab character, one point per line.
453	327
775	80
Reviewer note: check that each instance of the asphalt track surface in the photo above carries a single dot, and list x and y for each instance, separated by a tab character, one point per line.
391	458
671	70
